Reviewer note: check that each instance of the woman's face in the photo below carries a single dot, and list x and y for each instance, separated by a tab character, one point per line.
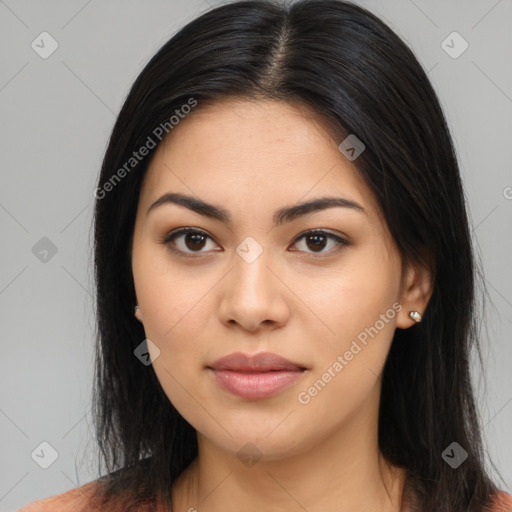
252	282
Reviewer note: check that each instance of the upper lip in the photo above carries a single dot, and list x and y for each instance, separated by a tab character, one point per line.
262	362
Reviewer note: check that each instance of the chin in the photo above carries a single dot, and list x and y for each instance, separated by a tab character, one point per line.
261	444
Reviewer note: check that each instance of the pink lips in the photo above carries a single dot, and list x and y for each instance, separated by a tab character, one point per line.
255	377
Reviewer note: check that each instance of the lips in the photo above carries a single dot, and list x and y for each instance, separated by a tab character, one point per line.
255	377
262	362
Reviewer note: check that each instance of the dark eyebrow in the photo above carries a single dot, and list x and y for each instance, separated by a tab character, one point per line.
281	216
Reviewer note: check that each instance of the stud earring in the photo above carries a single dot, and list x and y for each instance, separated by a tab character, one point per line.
415	316
135	309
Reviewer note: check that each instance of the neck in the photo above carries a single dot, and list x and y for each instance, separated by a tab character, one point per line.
343	473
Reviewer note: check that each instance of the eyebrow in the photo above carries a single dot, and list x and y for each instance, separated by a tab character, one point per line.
281	216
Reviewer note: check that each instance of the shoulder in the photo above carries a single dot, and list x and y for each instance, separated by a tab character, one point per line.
68	501
502	502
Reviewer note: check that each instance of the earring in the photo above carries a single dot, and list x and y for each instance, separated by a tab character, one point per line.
135	309
415	316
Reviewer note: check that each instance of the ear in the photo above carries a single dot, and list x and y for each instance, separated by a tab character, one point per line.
138	315
416	291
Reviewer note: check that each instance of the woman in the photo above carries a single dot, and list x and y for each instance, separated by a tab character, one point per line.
285	278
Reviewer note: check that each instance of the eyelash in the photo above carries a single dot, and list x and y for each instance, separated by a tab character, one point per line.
183	231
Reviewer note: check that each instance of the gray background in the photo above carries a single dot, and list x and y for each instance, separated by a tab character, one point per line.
56	117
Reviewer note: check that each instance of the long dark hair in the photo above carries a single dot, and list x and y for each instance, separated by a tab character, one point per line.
354	71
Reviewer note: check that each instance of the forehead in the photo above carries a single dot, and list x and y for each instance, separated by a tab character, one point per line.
265	151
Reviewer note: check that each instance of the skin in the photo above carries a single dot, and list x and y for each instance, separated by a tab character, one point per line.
252	158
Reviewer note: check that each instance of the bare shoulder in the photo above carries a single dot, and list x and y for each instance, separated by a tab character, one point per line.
69	501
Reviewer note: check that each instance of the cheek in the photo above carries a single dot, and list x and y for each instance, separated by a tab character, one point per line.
178	383
346	374
351	297
358	311
175	304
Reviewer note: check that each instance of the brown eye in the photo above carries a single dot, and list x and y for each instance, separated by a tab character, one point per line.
187	241
316	241
194	241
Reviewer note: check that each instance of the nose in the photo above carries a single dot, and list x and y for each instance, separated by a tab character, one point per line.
253	295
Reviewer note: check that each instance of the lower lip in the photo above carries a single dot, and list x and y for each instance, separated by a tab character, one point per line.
256	385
